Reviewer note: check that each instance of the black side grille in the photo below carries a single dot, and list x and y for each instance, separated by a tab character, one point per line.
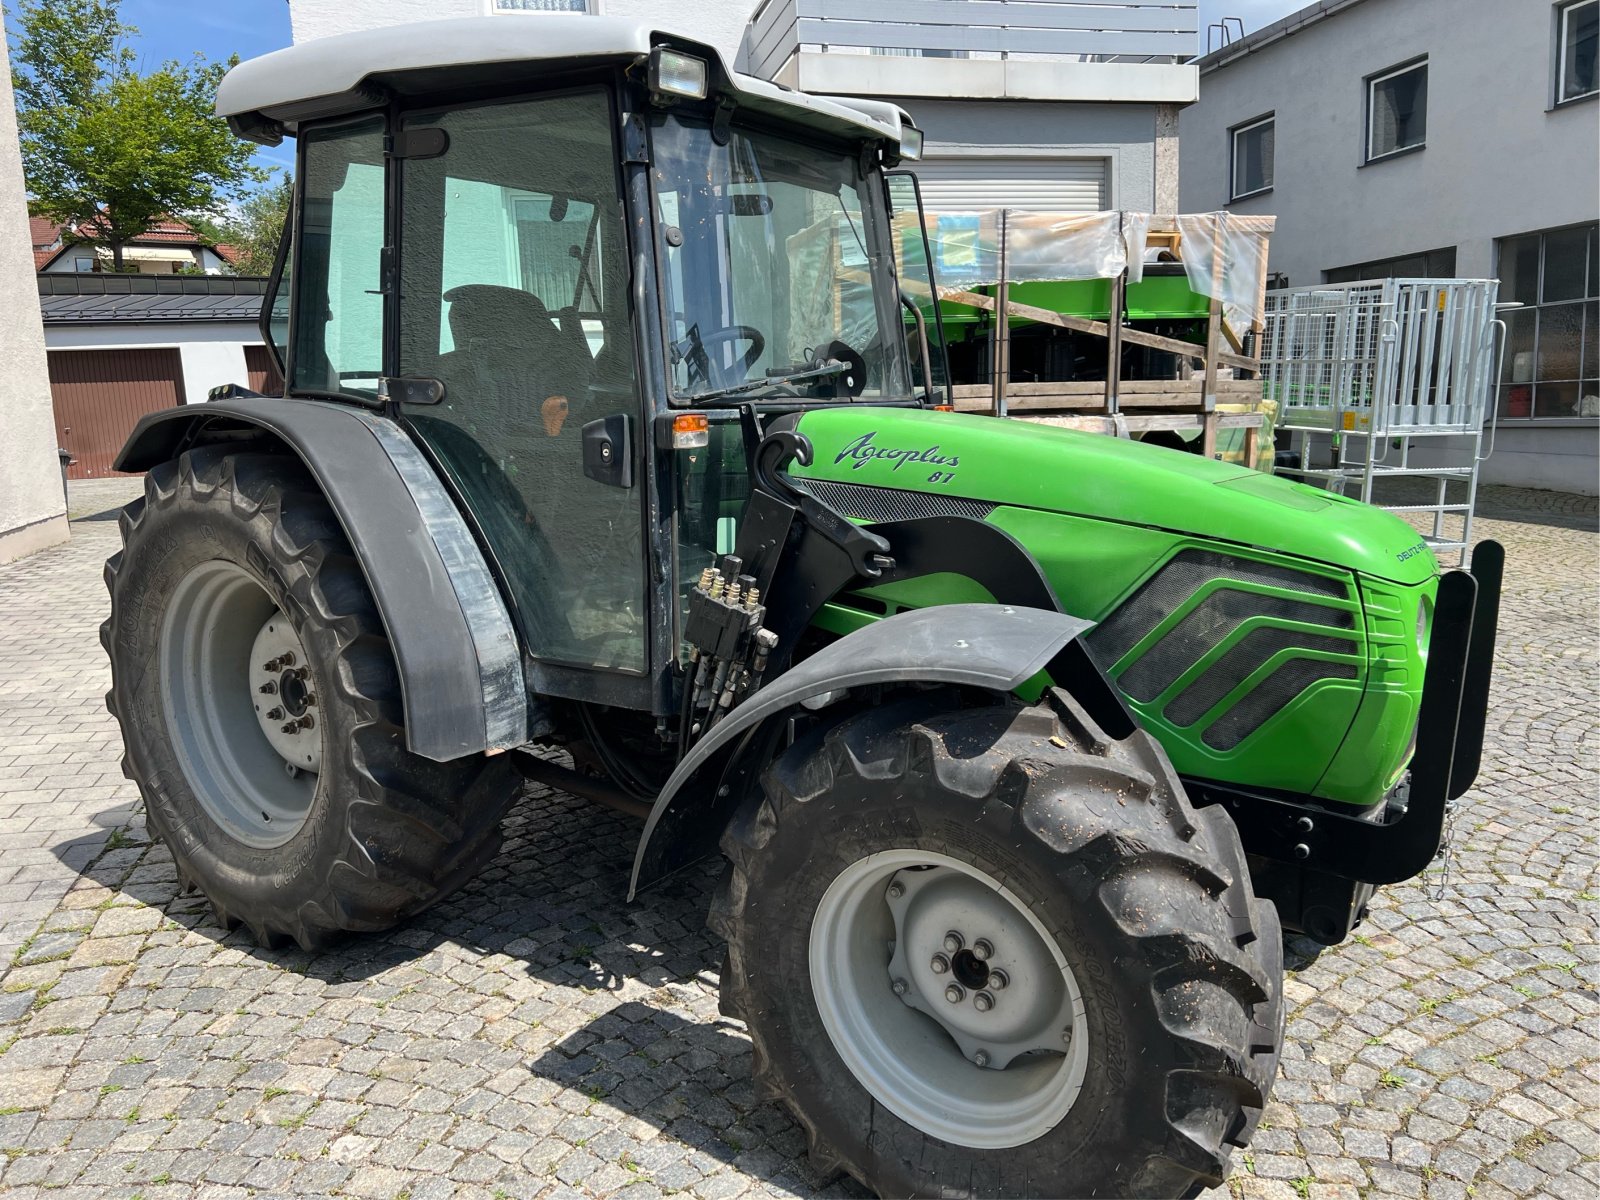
864	503
1218	615
1282	686
1255	648
1212	621
1189	570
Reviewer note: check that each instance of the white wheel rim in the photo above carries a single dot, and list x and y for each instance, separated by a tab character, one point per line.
917	1052
217	620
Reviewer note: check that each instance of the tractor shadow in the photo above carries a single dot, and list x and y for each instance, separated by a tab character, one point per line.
603	1000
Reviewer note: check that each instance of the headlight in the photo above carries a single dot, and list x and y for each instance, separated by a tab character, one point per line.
673	73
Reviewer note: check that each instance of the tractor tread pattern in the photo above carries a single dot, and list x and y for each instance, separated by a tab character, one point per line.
1143	844
414	830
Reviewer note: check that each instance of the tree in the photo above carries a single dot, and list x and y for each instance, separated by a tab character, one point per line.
252	230
108	151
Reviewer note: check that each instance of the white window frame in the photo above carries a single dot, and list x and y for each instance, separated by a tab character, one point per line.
1420	64
1564	14
1233	157
493	9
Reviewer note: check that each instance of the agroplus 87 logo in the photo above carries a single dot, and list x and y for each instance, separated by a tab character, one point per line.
863	451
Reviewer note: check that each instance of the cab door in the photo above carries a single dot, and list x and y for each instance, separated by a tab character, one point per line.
513	295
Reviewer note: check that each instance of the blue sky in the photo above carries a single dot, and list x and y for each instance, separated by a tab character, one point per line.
214	28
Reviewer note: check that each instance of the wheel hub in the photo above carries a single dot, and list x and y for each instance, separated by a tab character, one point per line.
969	1034
973	963
225	709
281	693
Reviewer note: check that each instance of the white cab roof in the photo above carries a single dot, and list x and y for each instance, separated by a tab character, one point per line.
333	75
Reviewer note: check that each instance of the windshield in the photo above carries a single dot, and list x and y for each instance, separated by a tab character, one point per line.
768	262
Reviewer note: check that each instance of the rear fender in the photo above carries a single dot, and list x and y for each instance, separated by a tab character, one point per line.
454	644
996	647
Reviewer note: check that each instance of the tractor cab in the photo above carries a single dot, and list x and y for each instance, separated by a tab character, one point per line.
563	254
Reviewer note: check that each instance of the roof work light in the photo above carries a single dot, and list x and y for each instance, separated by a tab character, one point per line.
674	73
910	142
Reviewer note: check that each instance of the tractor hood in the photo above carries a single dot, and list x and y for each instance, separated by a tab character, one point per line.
1020	464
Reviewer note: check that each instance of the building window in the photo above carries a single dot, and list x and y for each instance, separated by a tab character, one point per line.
1551	368
1426	264
514	6
1577	38
1397	110
1252	158
83	266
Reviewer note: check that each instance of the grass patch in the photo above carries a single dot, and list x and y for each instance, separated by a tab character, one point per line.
1302	1185
1390	1080
107	1088
272	1093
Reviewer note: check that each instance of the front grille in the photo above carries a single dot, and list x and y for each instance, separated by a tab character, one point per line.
1282	686
863	503
1209	622
1184	575
1241	661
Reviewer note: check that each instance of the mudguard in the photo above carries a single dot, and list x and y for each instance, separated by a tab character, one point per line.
454	644
993	646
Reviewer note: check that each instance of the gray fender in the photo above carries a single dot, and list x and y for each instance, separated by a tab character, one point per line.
454	645
994	646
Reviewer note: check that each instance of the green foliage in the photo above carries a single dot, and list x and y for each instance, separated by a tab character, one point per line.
107	149
254	227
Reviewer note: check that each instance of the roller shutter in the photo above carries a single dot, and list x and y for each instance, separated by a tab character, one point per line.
1038	184
99	395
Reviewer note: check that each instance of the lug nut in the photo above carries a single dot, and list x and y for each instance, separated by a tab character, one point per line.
287	658
896	890
953	941
981	950
998	980
900	987
274	714
1066	1035
939	965
271	664
306	722
981	1058
955	993
311	698
983	1002
291	727
268	688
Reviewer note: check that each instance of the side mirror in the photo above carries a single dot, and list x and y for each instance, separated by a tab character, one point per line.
608	451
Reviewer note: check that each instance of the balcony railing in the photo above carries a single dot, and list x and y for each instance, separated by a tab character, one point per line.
1073	30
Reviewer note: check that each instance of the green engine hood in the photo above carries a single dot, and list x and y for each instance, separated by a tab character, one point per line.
1020	464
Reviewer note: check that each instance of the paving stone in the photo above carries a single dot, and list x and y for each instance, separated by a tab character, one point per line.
534	1034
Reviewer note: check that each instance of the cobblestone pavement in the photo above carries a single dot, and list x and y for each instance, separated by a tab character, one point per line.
534	1035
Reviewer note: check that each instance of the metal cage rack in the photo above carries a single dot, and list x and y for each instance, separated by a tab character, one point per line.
1396	375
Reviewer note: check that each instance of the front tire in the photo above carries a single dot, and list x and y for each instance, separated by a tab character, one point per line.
261	712
1135	1032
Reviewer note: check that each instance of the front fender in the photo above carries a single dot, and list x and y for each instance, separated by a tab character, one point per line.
998	647
455	648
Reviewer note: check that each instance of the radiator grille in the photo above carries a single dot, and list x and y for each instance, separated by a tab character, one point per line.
1180	579
1214	619
1282	686
1243	659
864	503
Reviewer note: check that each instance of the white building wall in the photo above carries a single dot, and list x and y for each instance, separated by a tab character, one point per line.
1498	160
719	22
212	354
33	509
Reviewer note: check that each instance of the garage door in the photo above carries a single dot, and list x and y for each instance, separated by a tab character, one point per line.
100	394
264	377
1037	184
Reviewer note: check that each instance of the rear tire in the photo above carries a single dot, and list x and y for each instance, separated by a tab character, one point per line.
1145	931
361	833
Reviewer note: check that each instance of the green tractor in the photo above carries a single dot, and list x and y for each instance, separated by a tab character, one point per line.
610	435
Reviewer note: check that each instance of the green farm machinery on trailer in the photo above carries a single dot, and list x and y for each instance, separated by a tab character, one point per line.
610	435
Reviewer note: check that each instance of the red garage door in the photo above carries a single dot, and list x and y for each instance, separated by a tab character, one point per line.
100	394
264	377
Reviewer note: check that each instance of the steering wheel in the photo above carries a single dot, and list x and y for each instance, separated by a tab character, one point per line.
717	337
